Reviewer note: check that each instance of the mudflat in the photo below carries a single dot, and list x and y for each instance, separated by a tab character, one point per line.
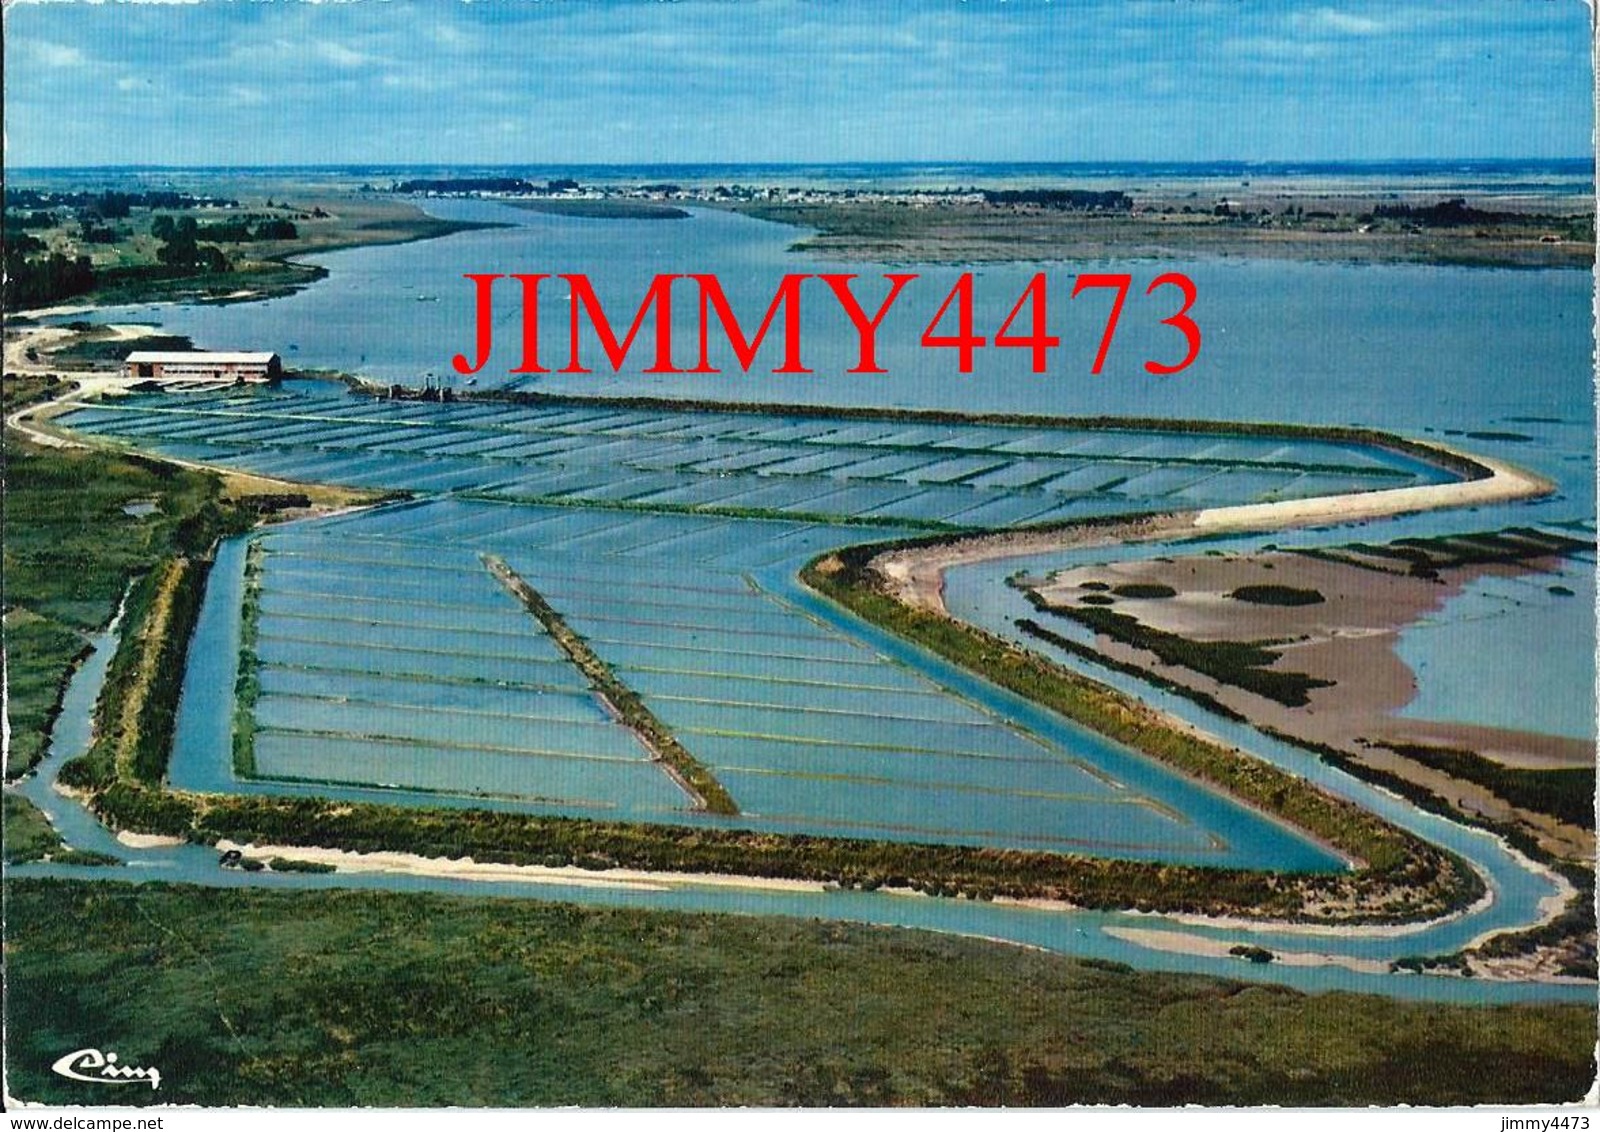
1342	637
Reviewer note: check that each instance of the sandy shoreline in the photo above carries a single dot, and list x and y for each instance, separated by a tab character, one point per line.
1186	943
147	840
465	868
640	880
1504	484
917	575
1547	909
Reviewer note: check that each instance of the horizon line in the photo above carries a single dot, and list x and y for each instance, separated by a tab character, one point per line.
1588	159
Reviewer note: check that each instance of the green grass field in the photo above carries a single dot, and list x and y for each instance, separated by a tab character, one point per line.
70	550
28	837
349	998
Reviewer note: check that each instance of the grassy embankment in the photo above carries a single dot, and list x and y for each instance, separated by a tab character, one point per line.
138	706
693	775
247	687
358	998
1399	874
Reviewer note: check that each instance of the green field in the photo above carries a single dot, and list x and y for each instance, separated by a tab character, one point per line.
349	998
28	837
70	550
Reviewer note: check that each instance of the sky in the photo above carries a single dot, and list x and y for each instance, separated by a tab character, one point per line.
269	82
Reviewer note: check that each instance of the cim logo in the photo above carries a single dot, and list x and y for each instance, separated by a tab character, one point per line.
102	1069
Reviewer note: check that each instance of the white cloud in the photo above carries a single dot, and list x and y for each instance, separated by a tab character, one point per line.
1274	47
340	55
57	55
1342	23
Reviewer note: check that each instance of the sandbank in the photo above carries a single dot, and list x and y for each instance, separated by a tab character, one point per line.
465	868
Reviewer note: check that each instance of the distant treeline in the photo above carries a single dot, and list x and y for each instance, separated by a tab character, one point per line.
109	205
40	282
48	279
228	232
482	185
1446	214
1074	200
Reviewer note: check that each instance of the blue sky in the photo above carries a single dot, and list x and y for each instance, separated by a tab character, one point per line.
636	81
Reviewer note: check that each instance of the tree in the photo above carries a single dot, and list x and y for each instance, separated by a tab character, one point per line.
277	230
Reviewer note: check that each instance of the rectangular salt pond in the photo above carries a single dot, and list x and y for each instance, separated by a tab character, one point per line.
864	731
924	704
1007	511
1022	474
1158	482
799	494
951	470
403	638
590	738
592	784
974	816
1046	770
288	652
679	655
376	580
360	579
930	505
1226	487
783	628
362	610
624	489
572	702
815	463
576	595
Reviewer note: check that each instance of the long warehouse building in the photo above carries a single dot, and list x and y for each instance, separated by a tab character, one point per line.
199	365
